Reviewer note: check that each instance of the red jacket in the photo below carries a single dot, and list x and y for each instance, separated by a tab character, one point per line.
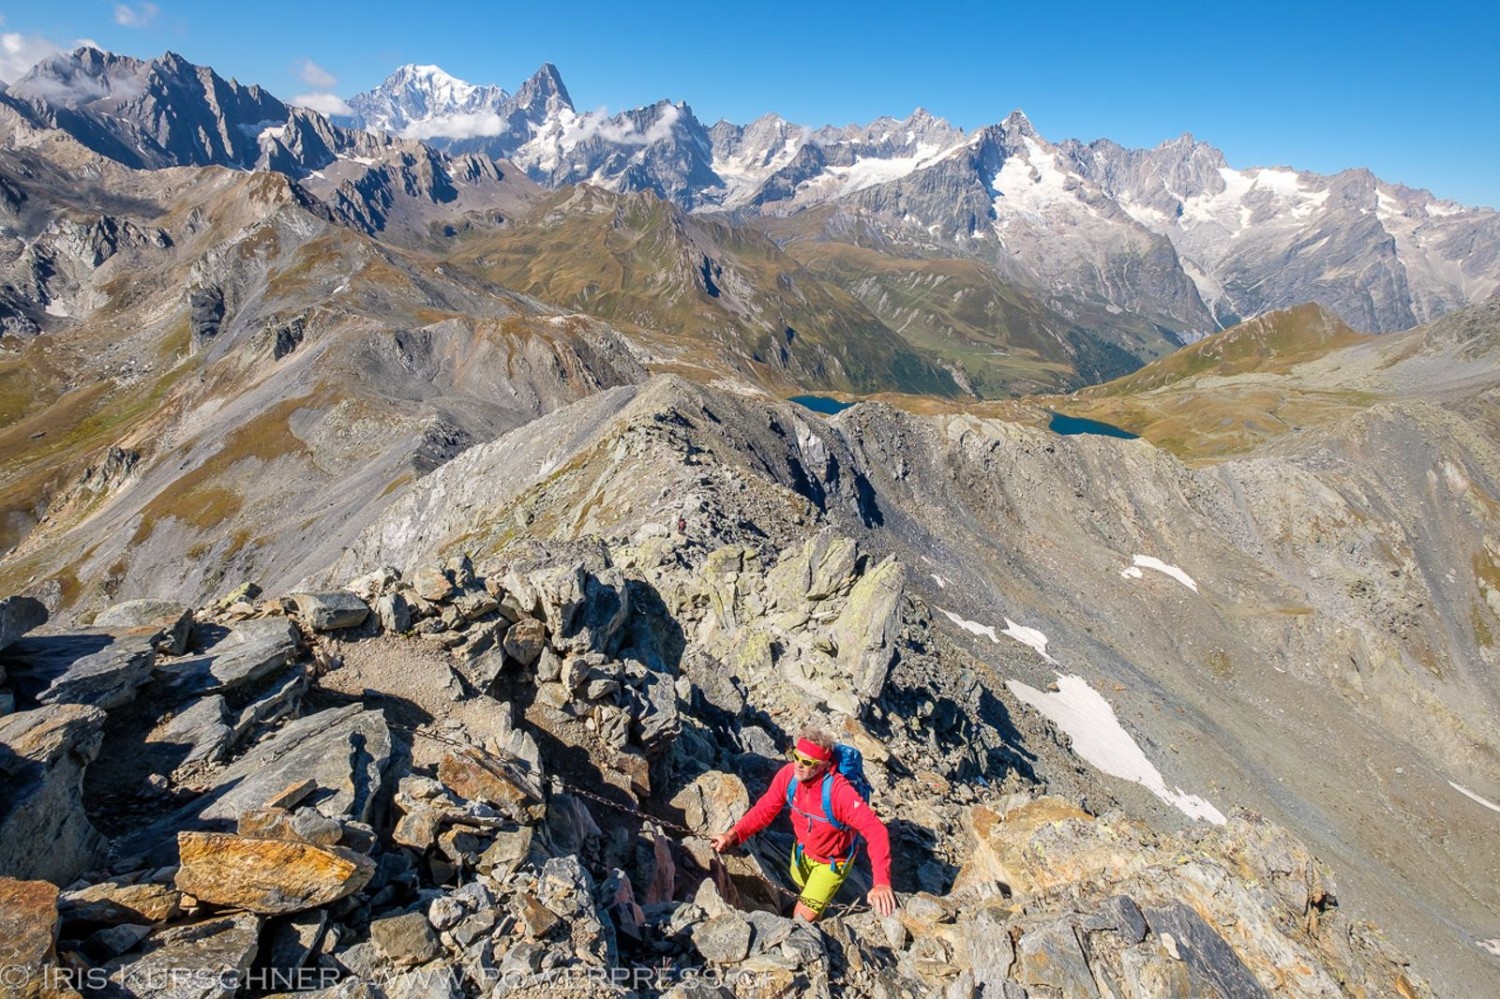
822	841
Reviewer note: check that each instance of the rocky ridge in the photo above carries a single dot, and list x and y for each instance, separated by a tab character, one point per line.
517	790
1273	681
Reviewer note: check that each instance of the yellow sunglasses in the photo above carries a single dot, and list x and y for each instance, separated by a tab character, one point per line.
806	761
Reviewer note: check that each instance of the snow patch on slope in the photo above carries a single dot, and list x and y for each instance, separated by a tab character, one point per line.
1148	562
1098	737
1470	794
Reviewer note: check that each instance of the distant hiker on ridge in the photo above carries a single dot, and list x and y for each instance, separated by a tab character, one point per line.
825	788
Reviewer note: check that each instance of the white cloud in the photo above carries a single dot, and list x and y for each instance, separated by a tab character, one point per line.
596	124
315	75
135	17
327	104
460	125
82	89
662	130
19	52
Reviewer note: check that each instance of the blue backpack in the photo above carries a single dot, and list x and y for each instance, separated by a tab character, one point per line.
848	763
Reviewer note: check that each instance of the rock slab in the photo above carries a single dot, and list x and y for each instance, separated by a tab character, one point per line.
253	650
28	933
268	876
44	833
101	668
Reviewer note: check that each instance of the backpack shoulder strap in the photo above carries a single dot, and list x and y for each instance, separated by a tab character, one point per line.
828	802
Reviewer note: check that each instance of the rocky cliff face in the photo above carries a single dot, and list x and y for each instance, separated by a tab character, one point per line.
1263	239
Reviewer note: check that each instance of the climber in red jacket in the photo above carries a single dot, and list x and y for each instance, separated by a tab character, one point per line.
825	849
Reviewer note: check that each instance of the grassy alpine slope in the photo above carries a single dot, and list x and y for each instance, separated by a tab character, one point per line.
718	296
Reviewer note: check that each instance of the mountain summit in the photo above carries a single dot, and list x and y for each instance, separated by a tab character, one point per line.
422	101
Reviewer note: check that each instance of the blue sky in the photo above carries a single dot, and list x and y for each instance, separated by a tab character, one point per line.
1407	92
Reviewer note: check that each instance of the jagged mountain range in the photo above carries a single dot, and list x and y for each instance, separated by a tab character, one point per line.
781	315
167	112
1106	237
1210	244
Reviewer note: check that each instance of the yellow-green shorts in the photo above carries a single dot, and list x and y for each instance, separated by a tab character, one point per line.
819	882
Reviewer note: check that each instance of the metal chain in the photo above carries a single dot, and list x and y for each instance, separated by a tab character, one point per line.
847	908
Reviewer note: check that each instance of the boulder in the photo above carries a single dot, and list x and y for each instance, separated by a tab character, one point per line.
507	852
344	750
18	615
617	898
331	610
278	701
712	803
394	613
112	941
405	940
1050	955
653	710
293	940
272	822
253	650
245	593
268	876
713	683
525	641
475	604
832	565
823	568
990	951
28	935
503	784
173	620
375	583
866	630
723	939
574	588
535	917
44	832
1120	915
208	960
999	854
433	584
97	667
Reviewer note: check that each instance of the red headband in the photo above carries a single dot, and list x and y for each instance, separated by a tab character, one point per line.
813	751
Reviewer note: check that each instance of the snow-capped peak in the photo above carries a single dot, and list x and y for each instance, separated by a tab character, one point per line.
433	81
415	96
